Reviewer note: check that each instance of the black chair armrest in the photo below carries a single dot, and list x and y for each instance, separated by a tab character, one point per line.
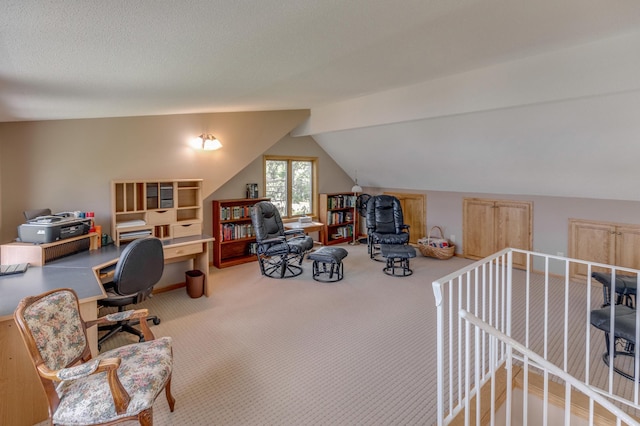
293	232
276	240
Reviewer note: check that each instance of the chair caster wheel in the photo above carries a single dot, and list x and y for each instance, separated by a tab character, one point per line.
141	339
156	321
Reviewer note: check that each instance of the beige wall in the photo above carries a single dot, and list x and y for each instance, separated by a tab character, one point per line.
550	215
331	178
68	164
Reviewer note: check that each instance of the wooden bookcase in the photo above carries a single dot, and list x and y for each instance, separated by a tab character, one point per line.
337	213
234	236
162	208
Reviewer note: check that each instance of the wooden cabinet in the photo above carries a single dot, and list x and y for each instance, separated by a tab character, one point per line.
490	225
414	212
337	213
234	236
603	242
162	208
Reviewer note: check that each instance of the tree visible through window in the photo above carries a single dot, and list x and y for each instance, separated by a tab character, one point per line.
290	183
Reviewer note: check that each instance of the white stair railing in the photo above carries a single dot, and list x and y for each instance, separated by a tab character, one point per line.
541	308
517	351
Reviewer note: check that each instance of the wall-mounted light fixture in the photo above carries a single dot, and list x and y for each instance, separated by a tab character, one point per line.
206	142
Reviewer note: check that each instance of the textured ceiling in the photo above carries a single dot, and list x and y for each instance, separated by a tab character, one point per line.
94	58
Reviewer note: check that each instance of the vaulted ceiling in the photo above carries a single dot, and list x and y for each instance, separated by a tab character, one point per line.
460	95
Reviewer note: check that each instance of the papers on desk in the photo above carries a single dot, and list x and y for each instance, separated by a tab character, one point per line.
135	234
303	225
130	223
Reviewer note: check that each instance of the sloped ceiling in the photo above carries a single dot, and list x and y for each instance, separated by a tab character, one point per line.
479	89
563	123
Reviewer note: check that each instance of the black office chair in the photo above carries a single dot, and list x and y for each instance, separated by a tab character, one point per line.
139	268
278	250
385	224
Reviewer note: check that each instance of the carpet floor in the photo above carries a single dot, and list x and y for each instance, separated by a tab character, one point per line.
263	351
361	351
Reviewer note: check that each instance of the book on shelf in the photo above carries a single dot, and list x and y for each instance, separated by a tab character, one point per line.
340	201
253	248
235	212
343	232
252	190
236	231
334	218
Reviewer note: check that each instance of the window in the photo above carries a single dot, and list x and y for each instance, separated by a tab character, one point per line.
290	182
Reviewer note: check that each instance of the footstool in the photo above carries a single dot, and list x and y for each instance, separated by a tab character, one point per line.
397	256
327	263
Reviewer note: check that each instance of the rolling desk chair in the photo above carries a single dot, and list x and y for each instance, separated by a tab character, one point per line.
138	269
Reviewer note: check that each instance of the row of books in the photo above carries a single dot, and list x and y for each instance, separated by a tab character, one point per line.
235	212
334	218
340	201
342	232
235	231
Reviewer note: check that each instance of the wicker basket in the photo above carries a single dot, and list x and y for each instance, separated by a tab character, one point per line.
438	252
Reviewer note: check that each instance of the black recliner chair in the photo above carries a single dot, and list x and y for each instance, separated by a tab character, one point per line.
138	269
280	253
385	224
623	294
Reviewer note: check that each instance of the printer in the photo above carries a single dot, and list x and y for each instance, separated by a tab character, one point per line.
47	228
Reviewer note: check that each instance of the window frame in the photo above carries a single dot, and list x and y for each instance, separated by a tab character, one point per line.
314	181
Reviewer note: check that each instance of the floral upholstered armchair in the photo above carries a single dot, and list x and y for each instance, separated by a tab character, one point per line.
118	385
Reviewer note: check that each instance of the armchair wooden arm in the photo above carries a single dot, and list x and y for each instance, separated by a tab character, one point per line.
109	365
56	338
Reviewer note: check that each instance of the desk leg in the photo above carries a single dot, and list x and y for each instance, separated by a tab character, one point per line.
22	398
201	262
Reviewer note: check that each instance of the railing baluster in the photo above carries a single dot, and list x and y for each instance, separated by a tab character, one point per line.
487	288
460	347
636	357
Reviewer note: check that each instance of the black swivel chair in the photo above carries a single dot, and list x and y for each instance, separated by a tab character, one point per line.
139	268
385	224
279	252
624	328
